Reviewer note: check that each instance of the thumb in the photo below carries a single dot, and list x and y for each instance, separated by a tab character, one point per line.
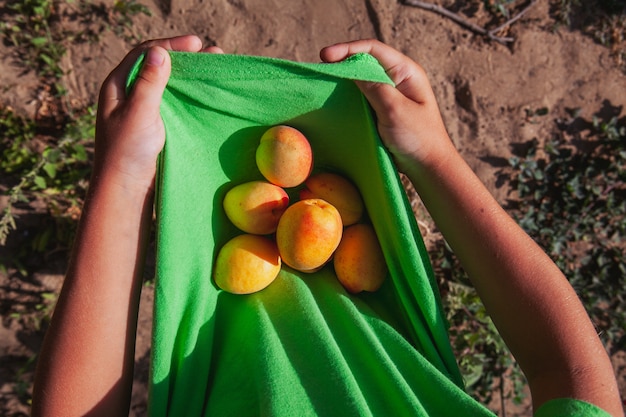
385	99
148	89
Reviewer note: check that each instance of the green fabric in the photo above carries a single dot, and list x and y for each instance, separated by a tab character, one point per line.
569	407
303	346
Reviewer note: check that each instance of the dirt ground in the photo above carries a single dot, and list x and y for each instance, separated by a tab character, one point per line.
485	89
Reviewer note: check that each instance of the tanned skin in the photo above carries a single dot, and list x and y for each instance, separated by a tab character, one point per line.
86	364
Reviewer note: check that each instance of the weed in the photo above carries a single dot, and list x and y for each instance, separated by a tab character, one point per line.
611	32
563	10
500	7
571	198
124	12
27	26
55	175
49	165
572	201
33	314
23	383
602	20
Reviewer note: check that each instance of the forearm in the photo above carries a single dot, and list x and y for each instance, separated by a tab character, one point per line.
533	306
86	364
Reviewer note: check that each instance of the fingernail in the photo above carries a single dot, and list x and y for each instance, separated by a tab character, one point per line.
155	57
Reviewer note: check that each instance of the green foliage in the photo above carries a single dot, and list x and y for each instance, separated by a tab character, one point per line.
27	26
602	20
573	203
16	134
52	172
41	168
44	167
500	7
34	316
33	29
563	10
571	198
124	12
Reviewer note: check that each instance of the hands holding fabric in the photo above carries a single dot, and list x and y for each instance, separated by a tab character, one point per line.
130	132
532	304
88	350
129	129
409	121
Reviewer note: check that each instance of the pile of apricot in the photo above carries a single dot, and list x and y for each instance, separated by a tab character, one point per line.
324	225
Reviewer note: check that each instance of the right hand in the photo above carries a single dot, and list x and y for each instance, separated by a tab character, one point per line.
534	307
409	120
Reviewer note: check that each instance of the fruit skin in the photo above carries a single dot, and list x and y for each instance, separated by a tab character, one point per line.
359	261
308	233
284	156
246	264
255	206
339	192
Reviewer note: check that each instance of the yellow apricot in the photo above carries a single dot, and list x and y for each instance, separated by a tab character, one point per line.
247	263
359	261
284	156
339	192
308	233
255	206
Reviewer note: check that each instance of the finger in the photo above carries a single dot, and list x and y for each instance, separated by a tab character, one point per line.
114	87
384	99
409	78
386	55
187	43
212	50
151	81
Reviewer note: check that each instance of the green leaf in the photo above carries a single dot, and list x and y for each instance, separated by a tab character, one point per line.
80	154
39	42
41	241
51	169
40	182
473	373
46	59
52	154
49	296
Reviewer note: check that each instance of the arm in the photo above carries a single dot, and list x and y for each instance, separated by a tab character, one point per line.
86	363
531	303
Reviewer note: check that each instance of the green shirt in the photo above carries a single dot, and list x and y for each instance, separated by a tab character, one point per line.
568	407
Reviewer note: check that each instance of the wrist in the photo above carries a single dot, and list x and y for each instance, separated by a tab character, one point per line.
126	158
126	184
426	162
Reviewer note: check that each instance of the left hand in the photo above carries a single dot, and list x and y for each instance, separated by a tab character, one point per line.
129	130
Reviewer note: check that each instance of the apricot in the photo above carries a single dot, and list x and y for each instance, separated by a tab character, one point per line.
284	156
255	206
308	233
359	261
338	191
246	264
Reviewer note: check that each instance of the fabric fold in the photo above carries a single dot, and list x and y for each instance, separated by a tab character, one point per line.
269	348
